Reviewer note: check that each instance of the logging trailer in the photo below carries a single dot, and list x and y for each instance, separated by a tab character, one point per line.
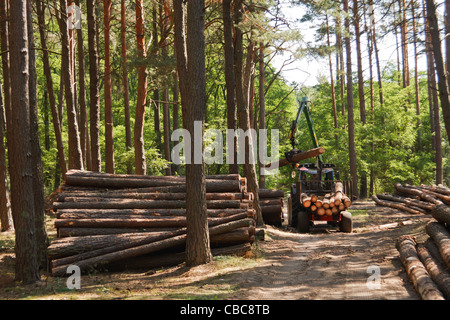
317	180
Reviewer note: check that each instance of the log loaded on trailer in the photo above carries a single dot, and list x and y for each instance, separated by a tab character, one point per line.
318	194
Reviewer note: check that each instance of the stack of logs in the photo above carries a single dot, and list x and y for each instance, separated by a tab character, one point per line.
110	220
271	202
422	199
328	205
427	264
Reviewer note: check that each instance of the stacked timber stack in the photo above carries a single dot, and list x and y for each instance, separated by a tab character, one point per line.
328	205
427	264
129	220
417	199
271	202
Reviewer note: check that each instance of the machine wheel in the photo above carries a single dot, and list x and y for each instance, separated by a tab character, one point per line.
302	221
346	223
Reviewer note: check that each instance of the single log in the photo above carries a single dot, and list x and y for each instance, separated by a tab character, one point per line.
144	204
416	192
148	248
305	200
443	190
444	198
271	202
142	213
314	198
313	208
80	232
347	201
269	193
407	201
437	271
441	238
234	237
298	157
115	196
93	174
441	213
153	185
328	212
395	205
321	211
151	222
325	203
416	271
338	193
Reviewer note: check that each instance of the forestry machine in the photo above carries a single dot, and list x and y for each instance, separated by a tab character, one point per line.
317	178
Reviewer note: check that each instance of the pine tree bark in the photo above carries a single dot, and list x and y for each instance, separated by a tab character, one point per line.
109	122
126	94
139	151
230	81
5	205
435	118
94	89
75	156
350	114
439	62
192	77
262	112
243	112
19	148
36	162
84	127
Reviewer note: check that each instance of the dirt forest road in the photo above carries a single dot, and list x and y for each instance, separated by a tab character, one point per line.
330	265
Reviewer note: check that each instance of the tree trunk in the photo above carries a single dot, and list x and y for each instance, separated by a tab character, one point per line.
262	113
139	151
441	212
439	62
404	33
436	271
333	91
36	162
351	121
94	90
441	239
375	48
243	112
416	271
192	77
5	205
230	82
84	127
19	148
126	95
75	156
109	122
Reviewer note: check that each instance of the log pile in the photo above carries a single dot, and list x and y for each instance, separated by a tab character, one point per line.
328	205
106	220
422	199
272	202
427	264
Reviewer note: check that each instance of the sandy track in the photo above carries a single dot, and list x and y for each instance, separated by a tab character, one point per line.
327	264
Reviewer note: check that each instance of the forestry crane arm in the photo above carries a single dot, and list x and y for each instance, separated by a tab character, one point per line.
303	108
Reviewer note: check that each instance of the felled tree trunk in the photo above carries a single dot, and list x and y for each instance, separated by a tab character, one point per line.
416	271
441	238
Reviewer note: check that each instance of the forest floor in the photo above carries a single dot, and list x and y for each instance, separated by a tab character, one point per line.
323	264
